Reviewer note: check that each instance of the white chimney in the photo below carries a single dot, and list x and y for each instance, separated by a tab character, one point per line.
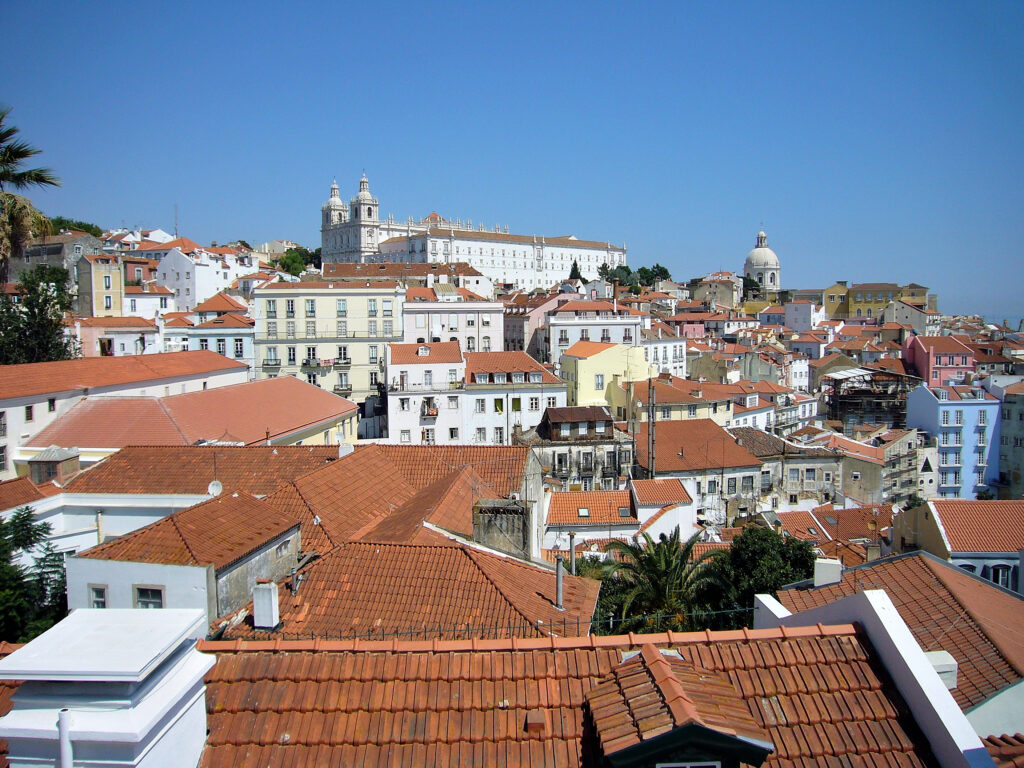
827	572
265	613
111	687
945	665
344	449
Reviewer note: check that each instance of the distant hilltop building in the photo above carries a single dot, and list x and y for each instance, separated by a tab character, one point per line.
354	232
762	265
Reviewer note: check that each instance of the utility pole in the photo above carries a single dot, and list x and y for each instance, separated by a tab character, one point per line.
652	413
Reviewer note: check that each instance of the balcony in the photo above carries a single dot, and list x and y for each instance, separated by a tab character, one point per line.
311	362
342	362
563	342
428	410
272	362
342	389
562	470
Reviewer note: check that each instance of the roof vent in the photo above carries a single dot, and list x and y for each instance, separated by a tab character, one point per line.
265	613
827	572
945	665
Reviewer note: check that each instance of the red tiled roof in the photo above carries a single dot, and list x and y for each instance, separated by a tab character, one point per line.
437	352
221	302
420	293
228	320
945	609
585	349
445	591
466	702
665	490
30	379
181	243
190	469
114	322
691	445
351	285
981	526
239	413
217	532
506	362
602	508
345	270
18	492
1006	750
155	290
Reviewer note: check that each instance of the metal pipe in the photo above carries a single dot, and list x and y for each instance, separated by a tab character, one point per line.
558	583
572	552
67	757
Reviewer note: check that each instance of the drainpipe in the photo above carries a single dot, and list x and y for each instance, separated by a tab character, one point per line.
67	757
572	552
558	583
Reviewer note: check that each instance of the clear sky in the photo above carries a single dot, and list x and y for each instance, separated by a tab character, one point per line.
875	141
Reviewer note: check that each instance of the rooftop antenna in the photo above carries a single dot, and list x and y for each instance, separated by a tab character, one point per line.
175	221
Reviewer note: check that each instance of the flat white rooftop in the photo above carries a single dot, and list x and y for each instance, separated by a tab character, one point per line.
111	645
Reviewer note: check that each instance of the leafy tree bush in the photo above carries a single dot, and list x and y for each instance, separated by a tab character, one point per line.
32	599
32	330
60	222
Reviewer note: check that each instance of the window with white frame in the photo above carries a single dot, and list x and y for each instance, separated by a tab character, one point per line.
148	596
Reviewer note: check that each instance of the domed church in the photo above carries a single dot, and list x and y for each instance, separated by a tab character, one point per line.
762	265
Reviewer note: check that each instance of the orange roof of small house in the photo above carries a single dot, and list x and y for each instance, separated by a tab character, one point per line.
587	508
584	349
221	302
435	352
659	491
692	445
981	526
506	362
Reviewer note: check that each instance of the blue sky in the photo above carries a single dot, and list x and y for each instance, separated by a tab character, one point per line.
876	142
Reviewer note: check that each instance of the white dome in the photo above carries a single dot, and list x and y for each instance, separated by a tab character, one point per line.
364	195
335	199
762	257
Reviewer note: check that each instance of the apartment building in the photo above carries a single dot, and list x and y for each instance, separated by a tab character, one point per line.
332	334
446	312
604	321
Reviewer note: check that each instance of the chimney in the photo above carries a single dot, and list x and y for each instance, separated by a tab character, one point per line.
572	552
945	666
265	612
827	572
344	449
558	583
82	694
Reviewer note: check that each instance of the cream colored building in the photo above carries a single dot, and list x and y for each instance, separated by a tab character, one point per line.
594	370
100	286
332	335
675	399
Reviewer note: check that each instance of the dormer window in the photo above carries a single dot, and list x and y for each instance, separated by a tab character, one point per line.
423	350
623	511
535	377
480	378
518	378
499	378
583	512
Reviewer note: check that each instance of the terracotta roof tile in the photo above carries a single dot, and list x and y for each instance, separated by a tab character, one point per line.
691	445
603	508
820	694
982	526
18	492
229	320
506	362
221	302
584	349
217	532
946	609
448	591
665	490
397	269
437	352
114	322
1006	750
190	469
96	372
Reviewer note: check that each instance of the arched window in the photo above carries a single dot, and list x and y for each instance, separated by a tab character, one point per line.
968	567
869	311
1001	575
858	312
369	213
470	344
760	277
771	278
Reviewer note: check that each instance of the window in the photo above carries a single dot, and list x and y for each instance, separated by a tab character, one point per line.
163	302
239	345
222	346
481	405
499	405
148	596
731	485
982	418
584	334
470	321
666	412
499	435
373	354
106	282
453	433
389	327
342	306
485	320
289	329
291	355
28	413
403	403
271	307
371	328
204	343
387	307
1001	575
809	475
404	437
747	485
958	417
310	307
428	435
691	411
516	405
3	458
371	307
599	382
453	402
51	404
551	402
945	418
518	378
134	306
534	403
486	345
855	476
342	329
97	595
289	307
108	302
712	486
481	434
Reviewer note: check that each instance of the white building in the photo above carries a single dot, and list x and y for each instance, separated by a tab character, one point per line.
446	312
355	232
603	321
196	276
802	316
148	300
762	265
664	348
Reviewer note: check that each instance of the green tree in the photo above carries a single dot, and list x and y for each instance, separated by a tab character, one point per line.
291	262
32	330
751	288
19	220
656	586
604	271
760	561
660	273
645	276
574	273
32	599
60	222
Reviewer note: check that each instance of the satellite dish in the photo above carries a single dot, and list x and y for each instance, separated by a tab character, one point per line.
214	488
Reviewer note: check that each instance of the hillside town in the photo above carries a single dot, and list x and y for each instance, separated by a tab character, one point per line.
445	494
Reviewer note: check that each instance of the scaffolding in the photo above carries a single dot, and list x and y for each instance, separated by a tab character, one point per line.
863	396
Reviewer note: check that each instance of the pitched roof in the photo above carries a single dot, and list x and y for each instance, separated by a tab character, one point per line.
981	526
584	349
148	290
603	508
448	591
183	244
1006	750
437	352
18	492
255	469
217	532
578	413
692	445
238	413
763	444
229	320
946	345
344	270
506	362
660	491
820	692
221	302
114	322
30	379
946	609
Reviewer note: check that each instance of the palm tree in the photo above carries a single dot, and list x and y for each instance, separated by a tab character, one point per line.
19	220
661	585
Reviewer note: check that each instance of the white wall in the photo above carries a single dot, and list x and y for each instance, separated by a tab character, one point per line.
185	586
